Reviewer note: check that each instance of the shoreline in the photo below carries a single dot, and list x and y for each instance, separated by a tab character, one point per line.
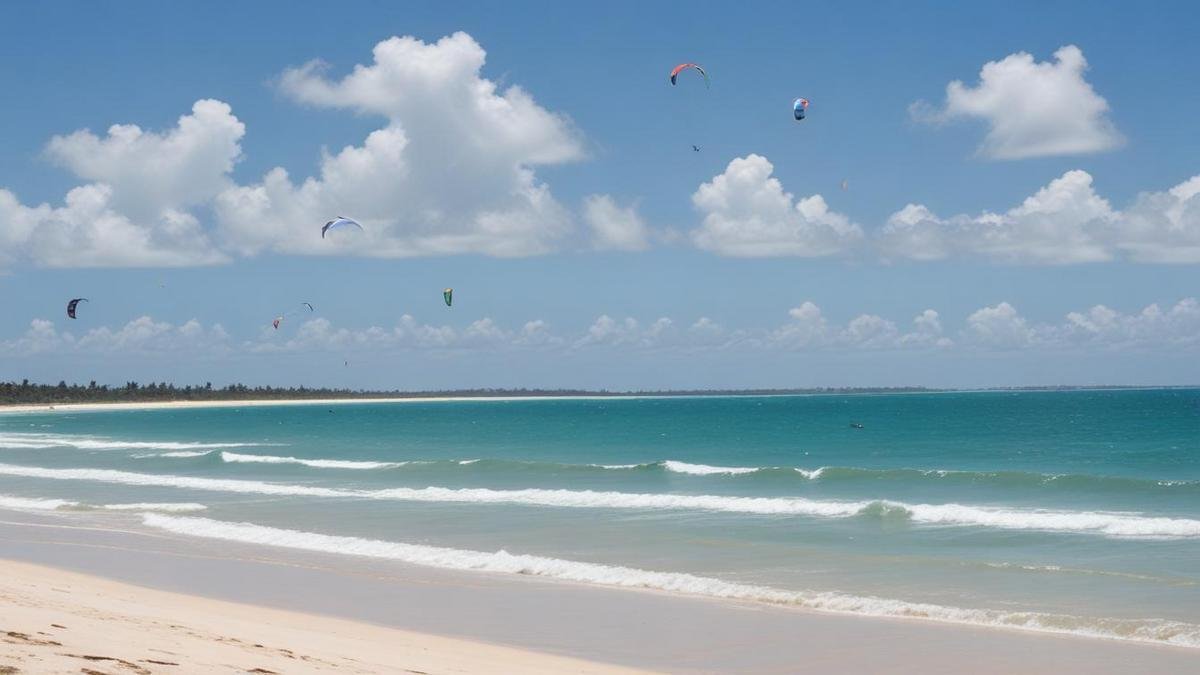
60	621
646	630
15	408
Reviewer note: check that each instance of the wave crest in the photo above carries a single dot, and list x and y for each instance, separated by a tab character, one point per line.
1135	630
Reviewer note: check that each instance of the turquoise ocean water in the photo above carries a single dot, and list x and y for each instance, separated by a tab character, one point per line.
1074	511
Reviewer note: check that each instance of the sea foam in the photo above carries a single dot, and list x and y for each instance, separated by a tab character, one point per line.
235	458
1084	522
1149	630
37	504
36	441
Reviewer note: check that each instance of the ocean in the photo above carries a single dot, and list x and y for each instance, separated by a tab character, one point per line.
1056	511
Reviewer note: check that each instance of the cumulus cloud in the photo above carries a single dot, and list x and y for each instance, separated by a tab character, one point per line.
808	328
999	326
1032	109
320	334
747	213
153	172
614	228
451	172
142	335
606	330
136	212
1063	223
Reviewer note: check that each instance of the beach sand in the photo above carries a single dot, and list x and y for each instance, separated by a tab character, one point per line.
53	621
333	608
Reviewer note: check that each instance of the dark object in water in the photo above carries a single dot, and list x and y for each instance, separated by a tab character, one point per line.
856	425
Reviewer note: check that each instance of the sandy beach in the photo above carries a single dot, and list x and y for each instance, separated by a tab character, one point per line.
63	622
337	616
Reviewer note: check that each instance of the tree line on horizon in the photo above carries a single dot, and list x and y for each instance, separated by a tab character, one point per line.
134	392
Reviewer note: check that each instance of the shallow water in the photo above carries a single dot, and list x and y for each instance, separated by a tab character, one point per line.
1061	511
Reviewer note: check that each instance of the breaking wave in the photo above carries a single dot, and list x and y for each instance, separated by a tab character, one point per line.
1135	630
1113	524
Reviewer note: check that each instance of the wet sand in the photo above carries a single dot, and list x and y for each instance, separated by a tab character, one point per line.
638	629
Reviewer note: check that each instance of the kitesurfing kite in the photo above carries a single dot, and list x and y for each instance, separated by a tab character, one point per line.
72	304
339	222
448	296
679	68
845	184
695	148
799	107
279	319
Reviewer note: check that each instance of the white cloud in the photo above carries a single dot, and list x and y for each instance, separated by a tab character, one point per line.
1162	227
614	228
150	173
320	334
1065	222
451	172
927	330
606	330
746	212
1032	109
1180	325
136	212
808	328
999	326
142	335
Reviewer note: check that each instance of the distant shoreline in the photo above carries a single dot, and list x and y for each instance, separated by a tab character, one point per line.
100	406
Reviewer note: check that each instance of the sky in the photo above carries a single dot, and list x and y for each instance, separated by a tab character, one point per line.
974	198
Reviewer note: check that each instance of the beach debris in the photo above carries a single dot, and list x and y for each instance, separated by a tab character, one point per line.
26	639
128	664
73	304
683	66
799	107
339	222
448	296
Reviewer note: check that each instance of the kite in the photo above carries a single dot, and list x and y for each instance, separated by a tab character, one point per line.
799	107
339	222
448	296
679	68
72	304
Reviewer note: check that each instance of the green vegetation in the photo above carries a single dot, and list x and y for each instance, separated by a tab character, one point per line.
131	392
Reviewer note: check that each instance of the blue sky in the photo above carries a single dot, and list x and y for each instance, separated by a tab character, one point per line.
730	268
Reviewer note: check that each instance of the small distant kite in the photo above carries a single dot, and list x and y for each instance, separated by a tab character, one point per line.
845	185
448	296
279	319
799	108
72	305
339	222
695	148
679	68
